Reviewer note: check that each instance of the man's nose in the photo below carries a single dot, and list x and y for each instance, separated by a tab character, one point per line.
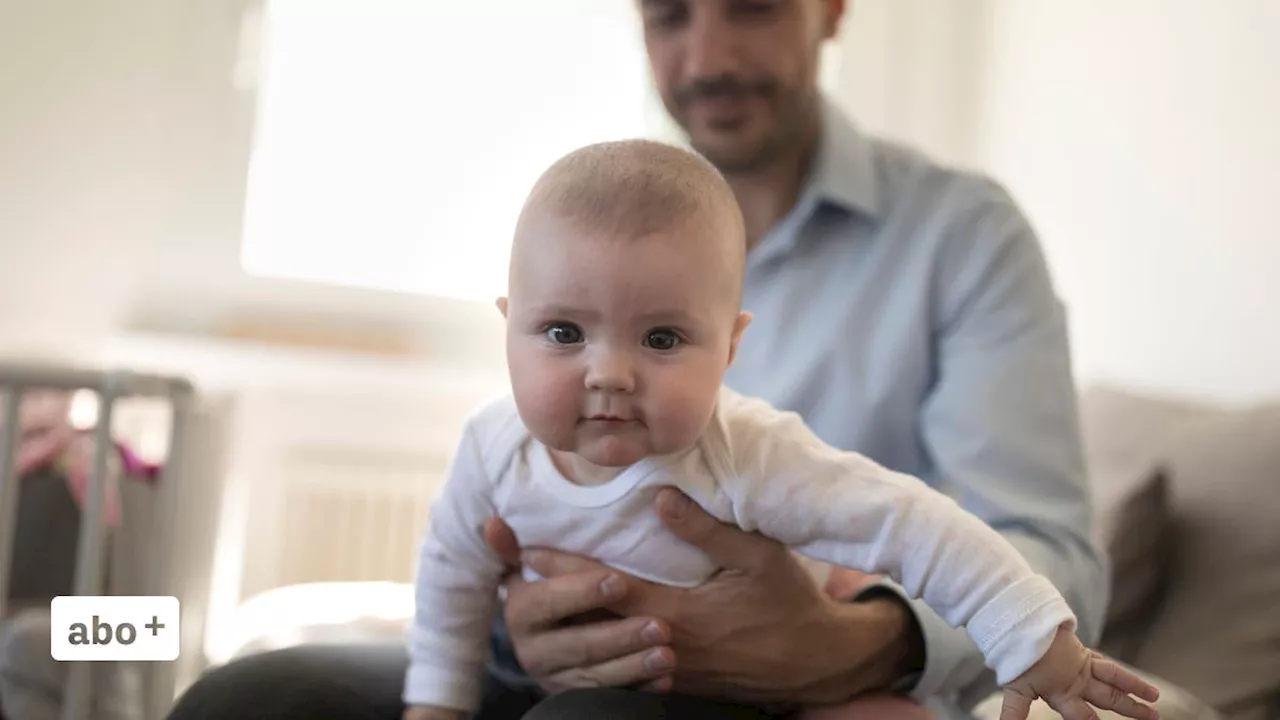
611	372
709	51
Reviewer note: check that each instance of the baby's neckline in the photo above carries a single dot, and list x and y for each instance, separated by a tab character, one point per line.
545	469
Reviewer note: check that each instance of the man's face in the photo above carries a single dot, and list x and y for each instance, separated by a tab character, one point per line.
740	76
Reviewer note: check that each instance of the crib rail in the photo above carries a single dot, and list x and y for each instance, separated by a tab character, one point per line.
110	386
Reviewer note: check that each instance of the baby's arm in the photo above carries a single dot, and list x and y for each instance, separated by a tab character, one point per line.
844	509
457	584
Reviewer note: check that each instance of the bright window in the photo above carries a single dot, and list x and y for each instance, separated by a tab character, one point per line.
397	139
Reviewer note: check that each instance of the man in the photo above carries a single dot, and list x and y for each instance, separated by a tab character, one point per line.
906	312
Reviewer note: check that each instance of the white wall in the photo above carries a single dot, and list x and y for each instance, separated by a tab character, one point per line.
124	143
912	70
1143	137
79	145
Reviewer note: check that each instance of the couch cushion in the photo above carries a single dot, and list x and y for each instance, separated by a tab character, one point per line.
1218	632
1132	523
1125	435
1124	430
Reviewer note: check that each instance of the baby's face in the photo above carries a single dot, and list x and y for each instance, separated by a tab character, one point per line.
616	347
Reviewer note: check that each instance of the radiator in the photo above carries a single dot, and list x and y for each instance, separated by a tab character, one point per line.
353	515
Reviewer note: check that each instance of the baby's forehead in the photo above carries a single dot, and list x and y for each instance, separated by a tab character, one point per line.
663	272
629	308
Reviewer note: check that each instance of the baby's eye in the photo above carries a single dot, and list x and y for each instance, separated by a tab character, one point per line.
662	339
564	334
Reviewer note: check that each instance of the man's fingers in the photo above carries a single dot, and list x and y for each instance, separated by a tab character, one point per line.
1015	706
661	685
1127	681
726	545
550	563
585	646
634	669
499	536
534	606
1108	697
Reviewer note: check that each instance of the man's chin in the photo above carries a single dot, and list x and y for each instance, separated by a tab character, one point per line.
730	155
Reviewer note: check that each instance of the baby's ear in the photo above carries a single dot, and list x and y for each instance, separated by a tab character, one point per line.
502	306
739	327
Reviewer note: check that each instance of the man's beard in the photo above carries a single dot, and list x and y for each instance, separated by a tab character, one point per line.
785	135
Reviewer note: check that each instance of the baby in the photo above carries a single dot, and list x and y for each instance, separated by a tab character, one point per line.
623	314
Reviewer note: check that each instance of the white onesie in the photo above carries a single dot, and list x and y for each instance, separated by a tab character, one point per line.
756	467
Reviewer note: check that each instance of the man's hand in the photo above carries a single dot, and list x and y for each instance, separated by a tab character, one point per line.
759	631
562	633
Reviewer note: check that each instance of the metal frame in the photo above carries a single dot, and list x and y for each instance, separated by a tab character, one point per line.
111	386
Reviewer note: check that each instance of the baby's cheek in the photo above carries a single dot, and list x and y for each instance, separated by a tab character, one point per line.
548	401
685	411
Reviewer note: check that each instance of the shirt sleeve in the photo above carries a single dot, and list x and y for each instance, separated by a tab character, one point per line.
842	508
456	589
1000	425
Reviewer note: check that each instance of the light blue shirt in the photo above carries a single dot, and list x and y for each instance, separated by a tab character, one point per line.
906	312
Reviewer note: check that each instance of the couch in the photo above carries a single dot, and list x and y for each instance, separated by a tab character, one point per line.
1187	498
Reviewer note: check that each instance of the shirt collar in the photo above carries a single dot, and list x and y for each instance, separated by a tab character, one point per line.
844	172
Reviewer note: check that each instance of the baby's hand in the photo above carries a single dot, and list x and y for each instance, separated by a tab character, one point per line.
425	712
1070	678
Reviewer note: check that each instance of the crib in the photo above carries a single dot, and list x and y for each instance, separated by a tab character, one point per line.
152	552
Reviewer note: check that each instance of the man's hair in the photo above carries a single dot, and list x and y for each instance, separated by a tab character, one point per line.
634	188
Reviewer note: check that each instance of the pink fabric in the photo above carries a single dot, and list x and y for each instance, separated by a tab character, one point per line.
46	437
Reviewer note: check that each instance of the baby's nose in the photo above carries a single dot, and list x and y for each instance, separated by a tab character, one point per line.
611	373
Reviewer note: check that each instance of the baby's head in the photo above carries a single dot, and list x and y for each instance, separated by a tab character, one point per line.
623	308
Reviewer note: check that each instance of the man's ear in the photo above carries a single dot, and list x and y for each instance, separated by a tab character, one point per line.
831	21
502	306
739	327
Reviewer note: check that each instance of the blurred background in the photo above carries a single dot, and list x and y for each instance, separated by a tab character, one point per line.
303	206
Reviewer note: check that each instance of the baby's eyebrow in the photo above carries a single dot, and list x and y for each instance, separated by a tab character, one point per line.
560	310
672	316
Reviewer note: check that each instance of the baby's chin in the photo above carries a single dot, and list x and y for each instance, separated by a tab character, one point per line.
613	451
601	452
612	454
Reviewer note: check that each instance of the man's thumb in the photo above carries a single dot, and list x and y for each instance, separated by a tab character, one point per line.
726	545
499	536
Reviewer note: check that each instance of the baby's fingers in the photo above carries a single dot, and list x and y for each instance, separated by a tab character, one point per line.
1016	706
1108	697
1114	675
1073	709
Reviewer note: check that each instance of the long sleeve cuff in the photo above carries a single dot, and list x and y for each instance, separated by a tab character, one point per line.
952	660
1009	635
1016	628
426	684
